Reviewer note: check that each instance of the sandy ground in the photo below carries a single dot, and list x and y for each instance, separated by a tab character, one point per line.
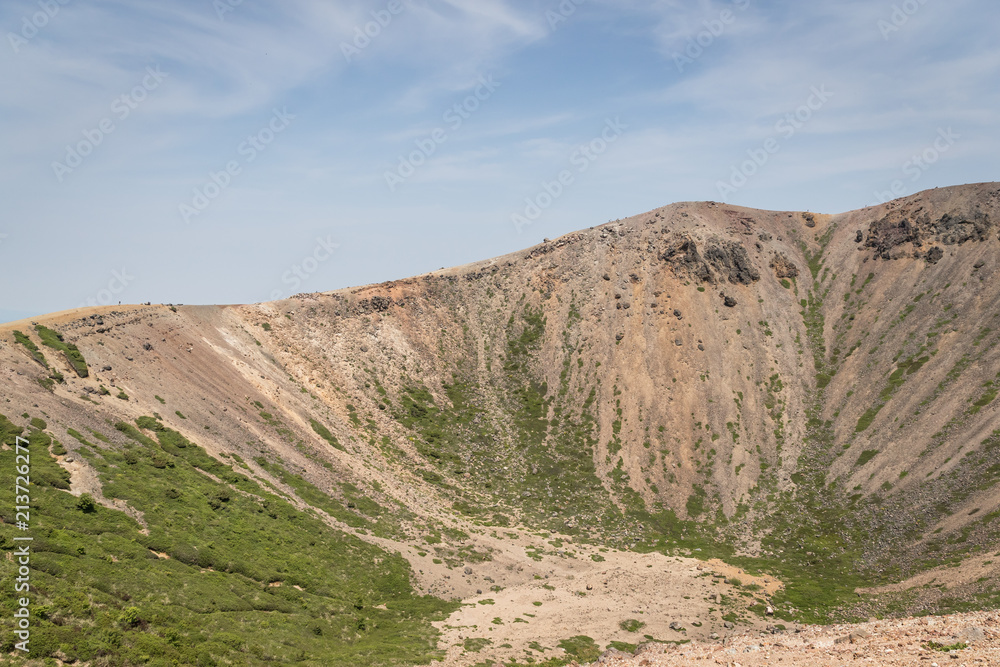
894	642
581	590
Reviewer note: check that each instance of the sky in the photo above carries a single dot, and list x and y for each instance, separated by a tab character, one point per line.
238	151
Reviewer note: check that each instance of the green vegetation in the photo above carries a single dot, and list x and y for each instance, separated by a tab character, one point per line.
548	473
29	344
54	339
865	457
86	504
984	400
937	646
581	647
696	502
354	508
624	647
631	625
324	433
866	419
476	644
217	599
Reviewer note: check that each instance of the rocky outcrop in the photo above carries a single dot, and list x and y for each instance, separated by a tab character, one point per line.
376	304
783	267
684	258
917	227
957	229
721	261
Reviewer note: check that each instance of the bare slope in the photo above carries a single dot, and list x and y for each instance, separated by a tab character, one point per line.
805	394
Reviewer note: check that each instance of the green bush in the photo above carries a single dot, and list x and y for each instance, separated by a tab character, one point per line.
86	504
129	617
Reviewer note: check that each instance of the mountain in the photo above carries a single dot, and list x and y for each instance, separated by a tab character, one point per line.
652	429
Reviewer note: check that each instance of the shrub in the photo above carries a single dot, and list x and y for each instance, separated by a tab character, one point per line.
86	504
129	617
149	423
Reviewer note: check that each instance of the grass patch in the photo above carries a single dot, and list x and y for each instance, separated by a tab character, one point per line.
105	593
324	433
581	647
29	344
945	648
865	420
865	457
631	625
54	339
475	644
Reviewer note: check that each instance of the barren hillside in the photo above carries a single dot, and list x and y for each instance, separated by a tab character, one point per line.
559	439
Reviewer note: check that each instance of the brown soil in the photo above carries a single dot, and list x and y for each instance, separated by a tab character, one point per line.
897	642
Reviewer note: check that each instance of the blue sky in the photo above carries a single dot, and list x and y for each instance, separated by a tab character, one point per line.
227	151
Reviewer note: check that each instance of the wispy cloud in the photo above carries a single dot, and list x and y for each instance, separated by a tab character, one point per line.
688	126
